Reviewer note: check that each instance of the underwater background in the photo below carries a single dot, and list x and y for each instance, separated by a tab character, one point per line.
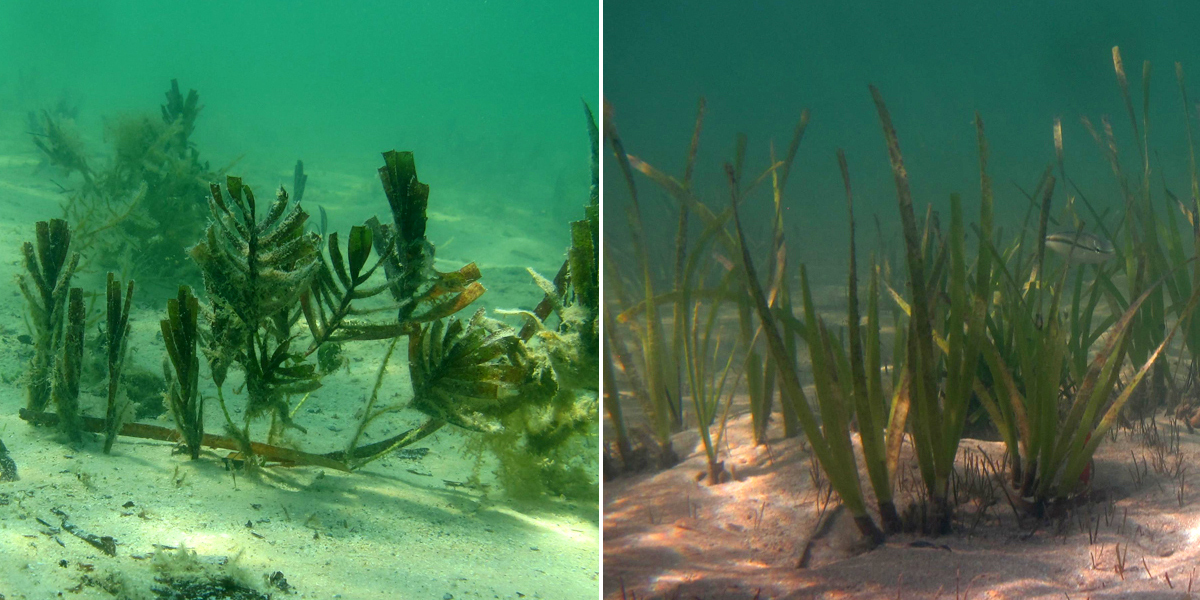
489	96
1019	64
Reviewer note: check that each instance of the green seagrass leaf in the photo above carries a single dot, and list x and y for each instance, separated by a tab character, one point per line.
359	248
338	262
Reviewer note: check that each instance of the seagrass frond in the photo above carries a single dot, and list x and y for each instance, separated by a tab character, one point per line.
117	334
183	368
256	268
474	373
424	294
340	280
49	266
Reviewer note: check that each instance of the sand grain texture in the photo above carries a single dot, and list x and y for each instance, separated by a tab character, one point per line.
668	536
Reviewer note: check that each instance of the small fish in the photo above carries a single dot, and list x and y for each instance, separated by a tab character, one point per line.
1080	247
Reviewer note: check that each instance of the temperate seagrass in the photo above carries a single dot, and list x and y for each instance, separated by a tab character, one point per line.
280	301
255	271
49	266
182	368
277	294
116	343
1051	349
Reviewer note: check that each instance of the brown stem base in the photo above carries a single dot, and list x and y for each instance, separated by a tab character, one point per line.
940	517
866	525
717	473
889	518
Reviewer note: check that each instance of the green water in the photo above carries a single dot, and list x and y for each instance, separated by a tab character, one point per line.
1019	64
486	93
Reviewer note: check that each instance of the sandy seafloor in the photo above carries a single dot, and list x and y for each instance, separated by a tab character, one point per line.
396	529
669	535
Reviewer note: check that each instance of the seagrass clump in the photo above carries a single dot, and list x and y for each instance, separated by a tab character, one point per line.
182	368
474	373
422	293
49	266
573	343
117	335
263	273
141	206
68	368
255	270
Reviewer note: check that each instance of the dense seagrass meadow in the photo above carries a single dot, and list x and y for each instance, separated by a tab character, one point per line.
976	406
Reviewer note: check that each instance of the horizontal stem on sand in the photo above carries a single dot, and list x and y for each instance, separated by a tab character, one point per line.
285	456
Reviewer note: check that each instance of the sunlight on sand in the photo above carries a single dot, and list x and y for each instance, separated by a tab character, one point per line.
1193	533
206	543
548	526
